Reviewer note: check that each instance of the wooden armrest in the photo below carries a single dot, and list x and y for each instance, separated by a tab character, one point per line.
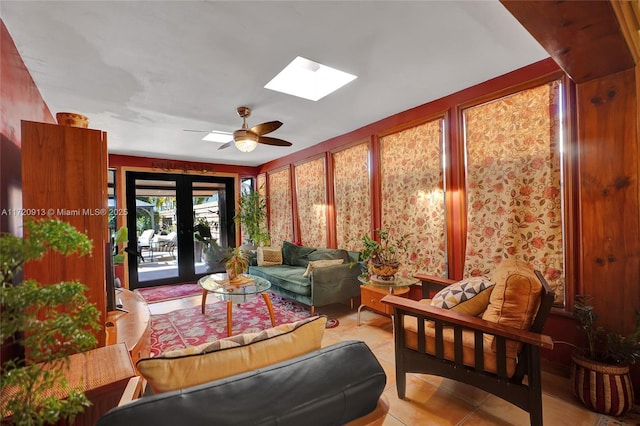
434	279
470	322
133	390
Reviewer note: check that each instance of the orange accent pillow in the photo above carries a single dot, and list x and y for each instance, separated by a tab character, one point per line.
515	298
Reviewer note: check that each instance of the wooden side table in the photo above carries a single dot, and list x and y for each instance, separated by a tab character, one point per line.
131	326
373	290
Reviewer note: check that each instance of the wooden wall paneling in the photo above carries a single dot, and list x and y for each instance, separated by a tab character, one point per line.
376	186
609	173
294	203
583	37
331	201
456	195
628	15
64	172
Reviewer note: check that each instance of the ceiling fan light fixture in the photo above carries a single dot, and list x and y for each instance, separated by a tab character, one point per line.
245	140
307	79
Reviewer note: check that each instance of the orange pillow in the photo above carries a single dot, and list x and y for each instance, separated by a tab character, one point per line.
515	297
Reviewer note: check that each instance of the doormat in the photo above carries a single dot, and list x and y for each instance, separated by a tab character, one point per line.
168	292
189	327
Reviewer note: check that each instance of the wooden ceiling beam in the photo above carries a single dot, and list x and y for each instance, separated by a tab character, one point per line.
583	37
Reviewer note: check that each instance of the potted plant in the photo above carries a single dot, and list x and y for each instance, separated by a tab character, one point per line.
121	237
383	257
215	255
50	322
605	358
251	213
236	263
201	237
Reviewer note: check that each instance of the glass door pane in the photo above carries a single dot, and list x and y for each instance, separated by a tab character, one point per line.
165	210
156	229
209	218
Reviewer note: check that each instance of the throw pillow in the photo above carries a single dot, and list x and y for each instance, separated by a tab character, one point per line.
469	296
321	264
269	256
296	255
191	366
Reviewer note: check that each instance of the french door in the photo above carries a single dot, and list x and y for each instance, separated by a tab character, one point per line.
175	217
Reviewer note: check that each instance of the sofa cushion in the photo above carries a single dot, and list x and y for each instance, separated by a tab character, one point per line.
269	256
469	296
331	386
284	276
468	344
329	254
295	255
226	357
515	297
314	264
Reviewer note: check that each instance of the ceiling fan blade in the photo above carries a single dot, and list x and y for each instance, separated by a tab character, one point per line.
273	141
264	128
197	131
225	145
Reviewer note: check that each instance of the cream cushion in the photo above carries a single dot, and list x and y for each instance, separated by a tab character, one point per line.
195	365
313	264
269	256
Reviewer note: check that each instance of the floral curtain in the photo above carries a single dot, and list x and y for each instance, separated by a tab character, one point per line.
352	199
280	207
412	196
261	187
513	184
311	197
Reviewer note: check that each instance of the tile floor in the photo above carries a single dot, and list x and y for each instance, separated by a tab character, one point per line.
433	400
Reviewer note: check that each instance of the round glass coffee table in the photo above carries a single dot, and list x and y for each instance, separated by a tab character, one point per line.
244	289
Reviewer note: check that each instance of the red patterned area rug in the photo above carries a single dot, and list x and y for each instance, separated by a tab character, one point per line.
168	292
189	327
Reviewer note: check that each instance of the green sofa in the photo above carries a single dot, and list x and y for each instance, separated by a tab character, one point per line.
323	286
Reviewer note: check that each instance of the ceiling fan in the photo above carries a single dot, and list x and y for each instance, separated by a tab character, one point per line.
246	139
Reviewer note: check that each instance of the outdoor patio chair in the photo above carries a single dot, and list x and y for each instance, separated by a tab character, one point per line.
166	243
144	242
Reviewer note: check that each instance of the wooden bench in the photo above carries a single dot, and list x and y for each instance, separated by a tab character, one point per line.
509	387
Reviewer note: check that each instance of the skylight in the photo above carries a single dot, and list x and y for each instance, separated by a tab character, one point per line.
308	79
216	136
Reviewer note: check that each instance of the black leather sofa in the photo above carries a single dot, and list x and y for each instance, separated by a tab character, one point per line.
331	386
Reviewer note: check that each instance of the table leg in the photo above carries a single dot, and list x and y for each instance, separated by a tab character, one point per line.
267	301
204	298
229	318
359	309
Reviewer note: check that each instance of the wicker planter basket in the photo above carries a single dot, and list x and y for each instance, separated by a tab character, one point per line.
603	388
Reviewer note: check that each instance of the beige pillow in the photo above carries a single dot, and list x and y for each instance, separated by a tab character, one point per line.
313	264
230	356
269	256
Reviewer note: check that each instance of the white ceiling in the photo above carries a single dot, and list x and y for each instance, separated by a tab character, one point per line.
146	70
